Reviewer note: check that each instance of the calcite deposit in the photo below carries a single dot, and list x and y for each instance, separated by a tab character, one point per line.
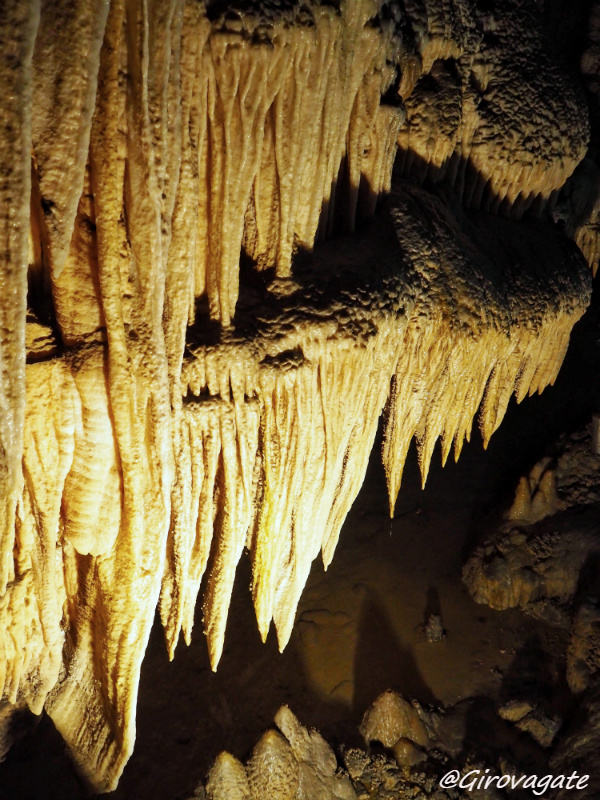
391	718
487	68
378	773
542	556
296	764
212	286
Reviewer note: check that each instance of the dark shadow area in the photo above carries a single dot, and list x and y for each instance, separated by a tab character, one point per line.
382	661
489	738
537	676
433	604
588	585
38	768
464	187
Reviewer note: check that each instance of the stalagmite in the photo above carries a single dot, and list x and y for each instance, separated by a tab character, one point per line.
296	764
319	777
217	317
272	769
391	718
227	779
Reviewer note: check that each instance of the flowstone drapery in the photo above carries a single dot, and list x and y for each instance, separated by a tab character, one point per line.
191	366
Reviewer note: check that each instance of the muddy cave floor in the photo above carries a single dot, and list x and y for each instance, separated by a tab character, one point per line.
359	628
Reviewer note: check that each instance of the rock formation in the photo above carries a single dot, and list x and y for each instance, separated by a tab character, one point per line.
541	558
191	365
296	764
395	769
392	718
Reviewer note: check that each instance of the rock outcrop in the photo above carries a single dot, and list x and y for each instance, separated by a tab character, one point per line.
296	764
541	557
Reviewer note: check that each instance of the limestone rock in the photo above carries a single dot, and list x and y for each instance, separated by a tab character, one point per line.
583	654
164	411
539	726
531	720
408	754
391	718
468	93
556	483
535	559
227	780
578	750
434	629
18	28
40	339
273	771
377	777
536	496
515	710
536	569
320	778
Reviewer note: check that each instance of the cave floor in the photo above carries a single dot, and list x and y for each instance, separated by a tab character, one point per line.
359	627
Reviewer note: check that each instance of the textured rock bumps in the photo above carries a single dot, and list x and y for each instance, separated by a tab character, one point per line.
163	407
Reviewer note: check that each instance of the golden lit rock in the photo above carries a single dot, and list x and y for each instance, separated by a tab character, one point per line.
392	718
227	779
199	368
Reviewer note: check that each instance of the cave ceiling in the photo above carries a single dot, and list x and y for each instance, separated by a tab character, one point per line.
233	235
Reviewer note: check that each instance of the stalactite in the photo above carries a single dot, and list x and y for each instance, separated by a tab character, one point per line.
114	590
33	638
18	27
65	68
76	293
266	185
175	415
470	91
431	400
465	353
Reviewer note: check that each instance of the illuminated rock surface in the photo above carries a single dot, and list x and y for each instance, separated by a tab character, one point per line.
539	556
198	381
298	765
543	559
363	776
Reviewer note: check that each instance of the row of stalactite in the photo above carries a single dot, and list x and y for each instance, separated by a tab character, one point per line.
163	144
274	473
127	486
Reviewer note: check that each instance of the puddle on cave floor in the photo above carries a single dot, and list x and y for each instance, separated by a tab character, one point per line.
359	626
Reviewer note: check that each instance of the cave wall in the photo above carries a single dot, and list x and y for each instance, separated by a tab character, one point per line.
214	284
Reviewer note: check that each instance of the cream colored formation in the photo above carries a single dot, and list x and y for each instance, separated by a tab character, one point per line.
488	70
170	417
294	764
